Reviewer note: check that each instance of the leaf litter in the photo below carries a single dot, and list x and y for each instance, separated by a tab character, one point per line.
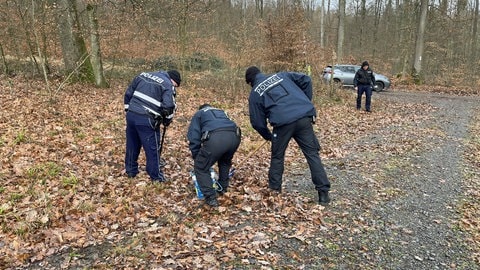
66	204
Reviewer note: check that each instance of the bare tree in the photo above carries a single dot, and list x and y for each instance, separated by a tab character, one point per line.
259	7
341	29
39	51
361	25
244	32
404	37
96	56
4	60
376	26
285	41
322	24
25	18
419	44
475	33
75	54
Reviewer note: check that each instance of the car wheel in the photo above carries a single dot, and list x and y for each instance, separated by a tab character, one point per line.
338	83
378	86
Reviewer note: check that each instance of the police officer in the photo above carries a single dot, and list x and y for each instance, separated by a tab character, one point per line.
284	100
149	101
363	82
213	138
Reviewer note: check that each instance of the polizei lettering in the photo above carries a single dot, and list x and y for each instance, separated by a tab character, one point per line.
267	84
151	77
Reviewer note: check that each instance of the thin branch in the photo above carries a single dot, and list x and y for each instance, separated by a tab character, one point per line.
64	82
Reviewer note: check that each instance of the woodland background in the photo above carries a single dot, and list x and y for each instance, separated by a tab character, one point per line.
64	202
432	42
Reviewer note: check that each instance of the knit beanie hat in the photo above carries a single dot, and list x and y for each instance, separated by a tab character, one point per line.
204	106
365	63
250	74
175	76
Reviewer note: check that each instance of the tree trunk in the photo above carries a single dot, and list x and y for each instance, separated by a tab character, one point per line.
39	51
363	20
475	33
419	44
259	7
4	61
376	27
341	29
96	56
405	36
26	23
322	24
74	50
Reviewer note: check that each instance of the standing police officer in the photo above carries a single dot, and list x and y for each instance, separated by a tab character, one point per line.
213	138
149	101
364	81
284	99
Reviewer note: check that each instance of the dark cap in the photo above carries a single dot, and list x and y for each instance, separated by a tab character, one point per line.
365	63
175	76
204	106
250	74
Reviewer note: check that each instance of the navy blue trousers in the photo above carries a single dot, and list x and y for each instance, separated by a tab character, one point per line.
140	132
302	132
367	89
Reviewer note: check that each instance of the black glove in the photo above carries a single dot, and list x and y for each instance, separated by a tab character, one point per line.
166	112
167	121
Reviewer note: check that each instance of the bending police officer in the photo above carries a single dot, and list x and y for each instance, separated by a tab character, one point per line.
284	100
213	138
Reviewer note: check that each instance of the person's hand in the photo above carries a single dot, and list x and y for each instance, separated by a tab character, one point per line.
167	122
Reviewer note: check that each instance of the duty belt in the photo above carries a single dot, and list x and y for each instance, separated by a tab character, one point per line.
233	129
206	134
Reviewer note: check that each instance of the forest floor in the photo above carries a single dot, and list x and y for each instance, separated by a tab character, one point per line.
405	190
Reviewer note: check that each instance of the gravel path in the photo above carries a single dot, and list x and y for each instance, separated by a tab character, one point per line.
401	213
420	226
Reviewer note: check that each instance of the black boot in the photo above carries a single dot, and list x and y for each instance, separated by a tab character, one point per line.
323	197
221	192
212	201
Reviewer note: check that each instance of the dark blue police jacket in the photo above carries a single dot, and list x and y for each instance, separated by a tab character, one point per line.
206	119
150	91
280	99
